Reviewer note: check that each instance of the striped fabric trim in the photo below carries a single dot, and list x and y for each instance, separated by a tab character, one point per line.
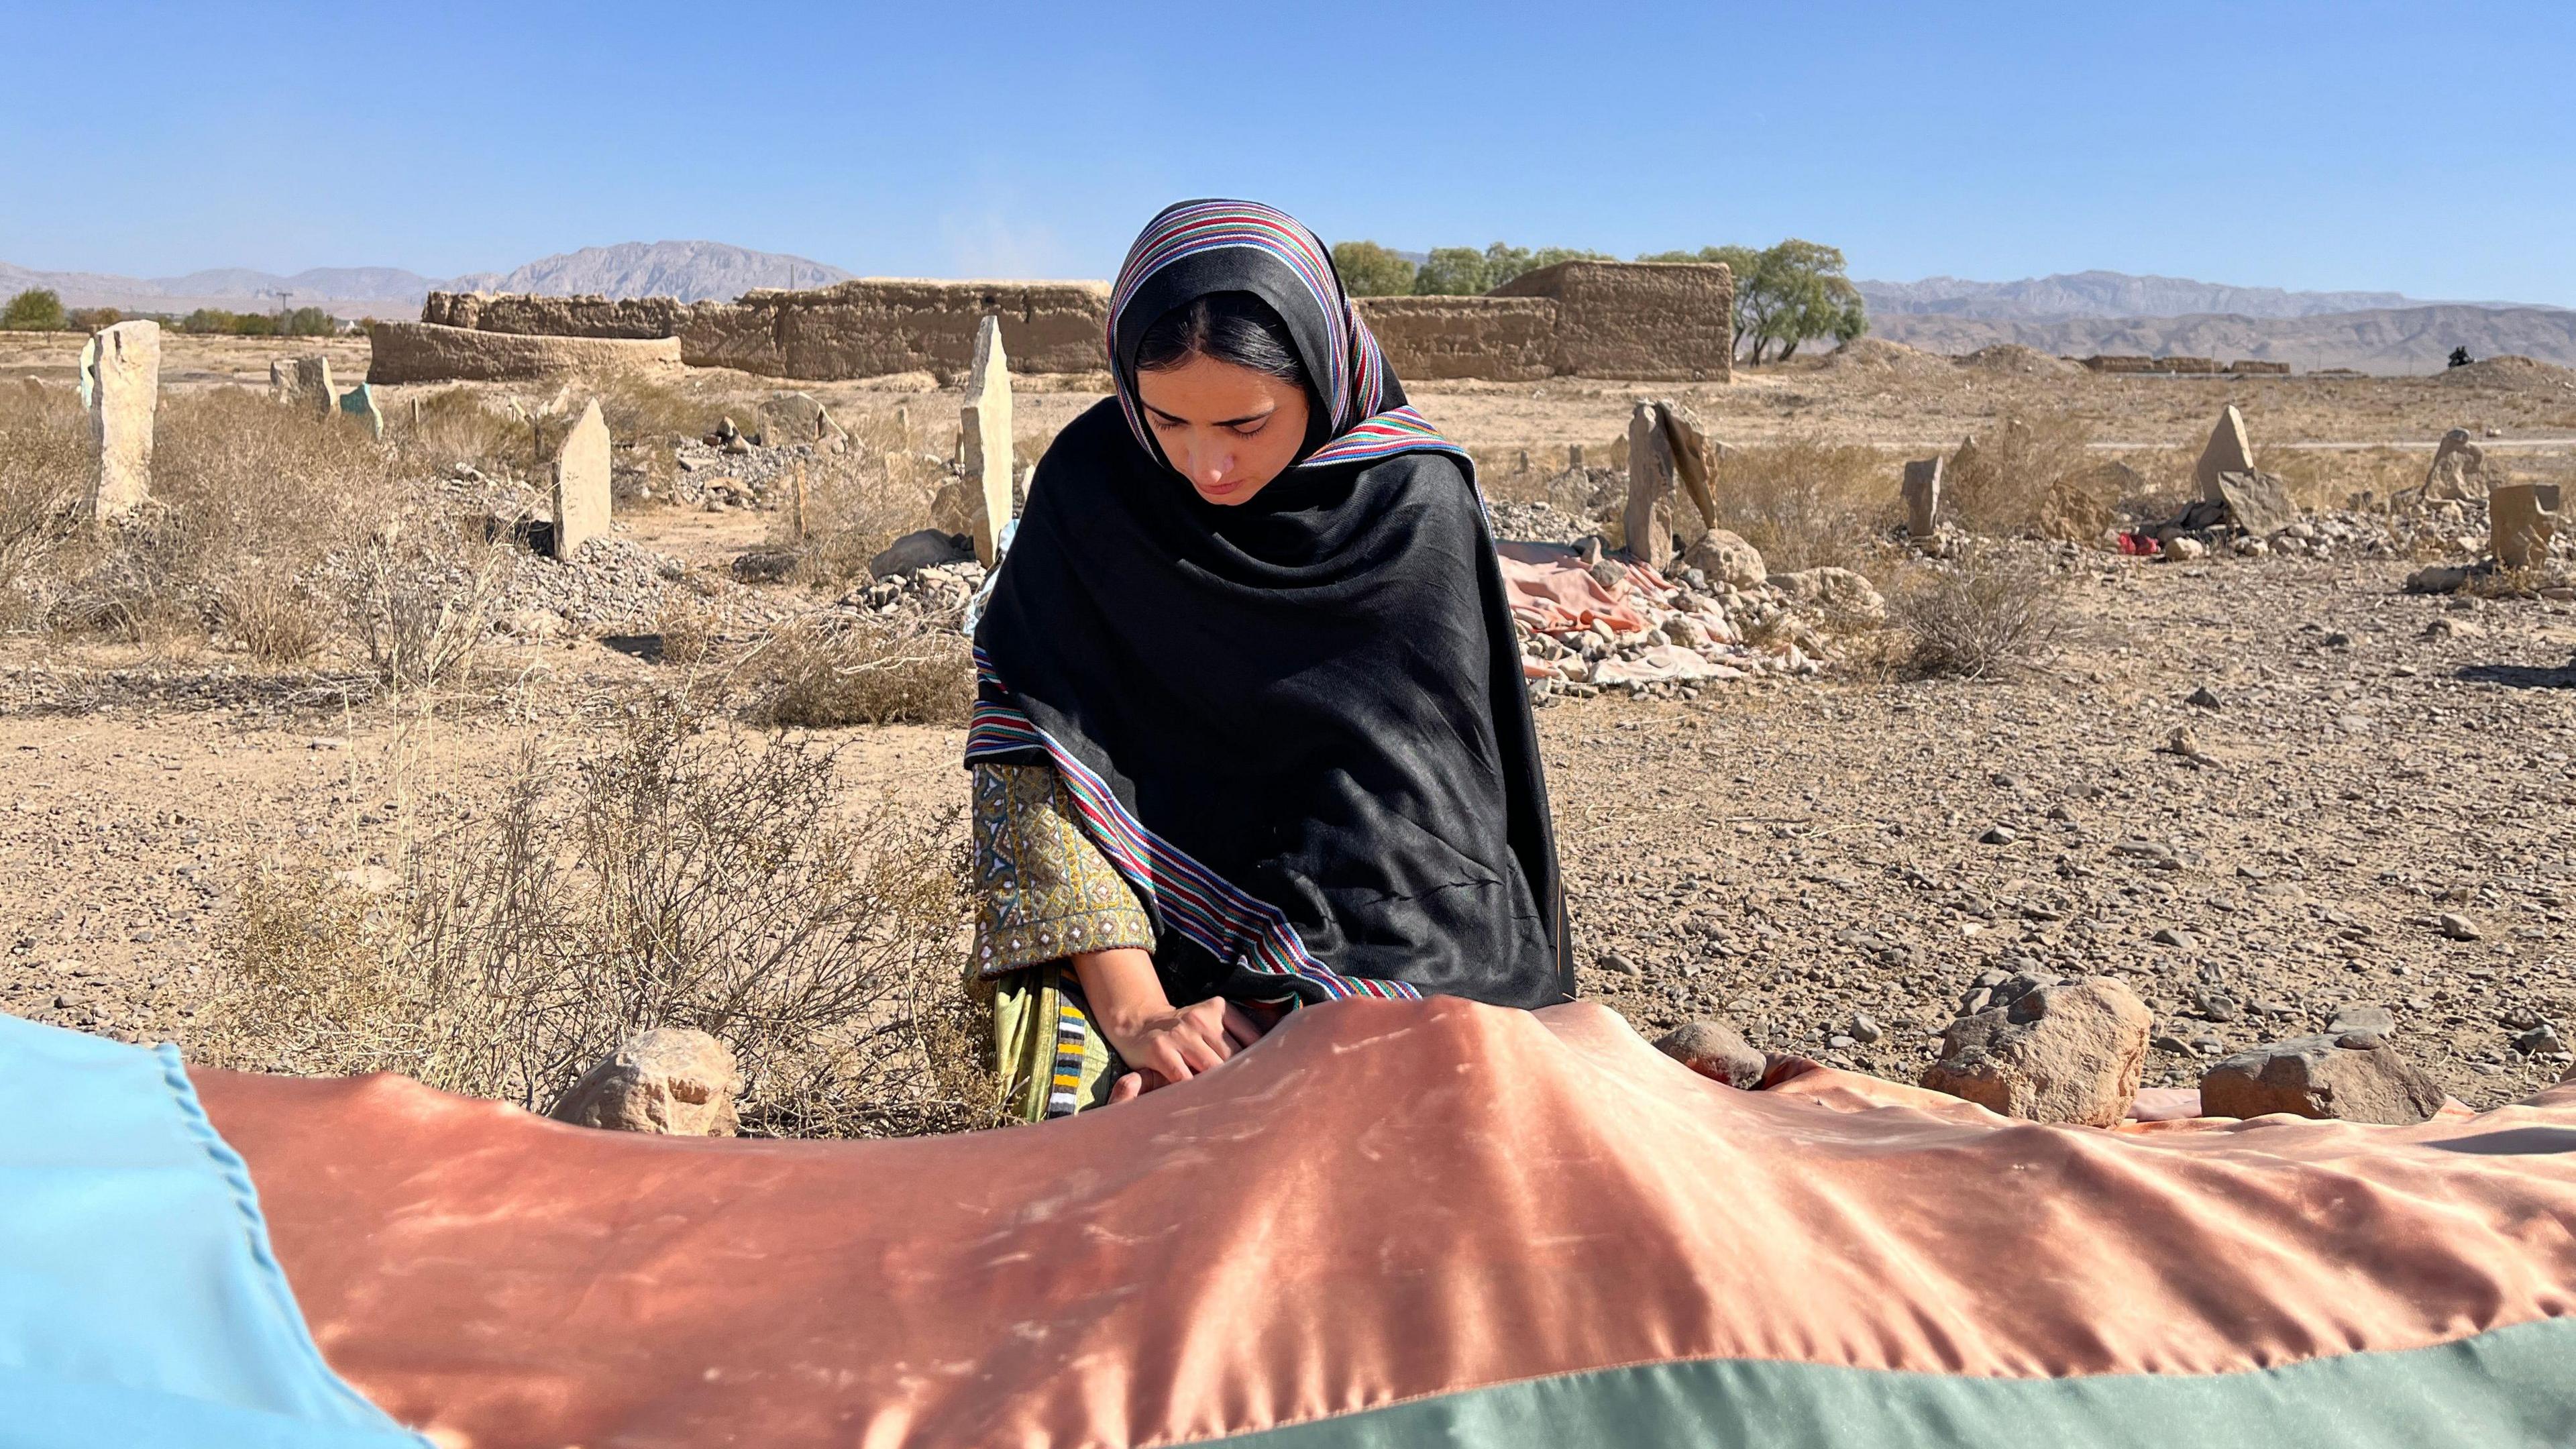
1072	1037
1397	430
1230	924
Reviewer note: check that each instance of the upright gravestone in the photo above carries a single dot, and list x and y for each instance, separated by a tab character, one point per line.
360	403
1922	496
581	483
1695	457
986	446
2226	452
120	380
2459	469
1648	519
2521	519
313	386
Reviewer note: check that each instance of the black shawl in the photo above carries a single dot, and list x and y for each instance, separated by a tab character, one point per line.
1297	725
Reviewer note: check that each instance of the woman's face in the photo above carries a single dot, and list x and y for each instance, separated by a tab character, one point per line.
1228	429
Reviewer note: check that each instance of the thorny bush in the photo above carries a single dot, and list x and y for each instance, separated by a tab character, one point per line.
1992	613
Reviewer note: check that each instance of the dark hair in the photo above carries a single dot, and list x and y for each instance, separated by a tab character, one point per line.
1235	327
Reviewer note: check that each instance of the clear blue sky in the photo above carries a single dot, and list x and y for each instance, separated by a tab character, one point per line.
2419	148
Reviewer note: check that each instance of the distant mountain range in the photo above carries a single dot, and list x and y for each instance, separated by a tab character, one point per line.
693	271
2116	294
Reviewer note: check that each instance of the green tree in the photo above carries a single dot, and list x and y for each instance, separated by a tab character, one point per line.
34	310
1370	270
306	322
1452	272
1503	263
92	319
1785	296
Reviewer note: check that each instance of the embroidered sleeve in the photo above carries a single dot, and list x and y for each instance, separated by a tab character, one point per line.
1043	890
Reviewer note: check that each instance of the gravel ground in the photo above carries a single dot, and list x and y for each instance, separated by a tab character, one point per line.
1800	856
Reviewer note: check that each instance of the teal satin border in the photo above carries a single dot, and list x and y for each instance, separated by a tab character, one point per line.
2511	1387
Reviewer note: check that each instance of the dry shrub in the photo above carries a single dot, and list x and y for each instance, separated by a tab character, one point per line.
1804	503
838	670
45	460
277	621
685	879
1992	613
419	598
2319	478
855	504
456	425
639	407
2001	488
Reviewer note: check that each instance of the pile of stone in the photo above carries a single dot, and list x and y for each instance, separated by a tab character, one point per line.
738	473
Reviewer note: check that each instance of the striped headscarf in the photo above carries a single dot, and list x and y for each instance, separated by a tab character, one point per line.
1193	248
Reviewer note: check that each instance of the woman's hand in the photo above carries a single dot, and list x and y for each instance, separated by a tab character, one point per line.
1160	1043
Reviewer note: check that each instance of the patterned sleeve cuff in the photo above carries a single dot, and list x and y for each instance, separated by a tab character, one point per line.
1001	951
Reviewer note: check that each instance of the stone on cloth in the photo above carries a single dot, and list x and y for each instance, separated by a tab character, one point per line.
2049	1051
670	1080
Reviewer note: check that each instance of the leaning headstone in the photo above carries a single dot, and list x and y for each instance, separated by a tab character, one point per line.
360	403
670	1080
2521	519
581	483
1922	496
1695	456
120	380
986	449
2226	452
789	418
1648	518
2257	502
2459	470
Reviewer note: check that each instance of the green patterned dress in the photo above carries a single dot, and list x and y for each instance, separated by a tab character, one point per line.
1043	891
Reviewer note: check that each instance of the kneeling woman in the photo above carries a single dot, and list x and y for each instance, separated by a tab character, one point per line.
1251	730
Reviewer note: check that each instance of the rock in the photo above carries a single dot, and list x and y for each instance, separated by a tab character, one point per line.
2459	471
2457	927
2202	698
2185	549
1865	1030
2521	519
302	382
533	623
796	417
2257	502
986	419
1613	961
1727	559
1997	835
2540	1041
920	549
2438	579
2376	1020
2348	1077
1695	456
120	382
1837	593
581	483
1922	491
2066	1051
2227	451
1715	1050
670	1080
766	565
1647	520
2180	940
360	403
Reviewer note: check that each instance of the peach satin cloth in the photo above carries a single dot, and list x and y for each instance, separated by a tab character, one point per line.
1379	1202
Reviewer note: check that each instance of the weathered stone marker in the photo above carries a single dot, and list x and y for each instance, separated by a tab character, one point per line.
581	483
2459	470
2521	519
303	382
2257	502
1648	520
1922	496
2226	452
1695	456
360	403
986	445
120	380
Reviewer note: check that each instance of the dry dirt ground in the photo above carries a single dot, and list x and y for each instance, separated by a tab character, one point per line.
1795	856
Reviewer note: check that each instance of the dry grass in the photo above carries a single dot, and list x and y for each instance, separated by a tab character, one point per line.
1804	503
858	502
2002	488
690	878
2321	479
420	600
45	459
833	671
1993	613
